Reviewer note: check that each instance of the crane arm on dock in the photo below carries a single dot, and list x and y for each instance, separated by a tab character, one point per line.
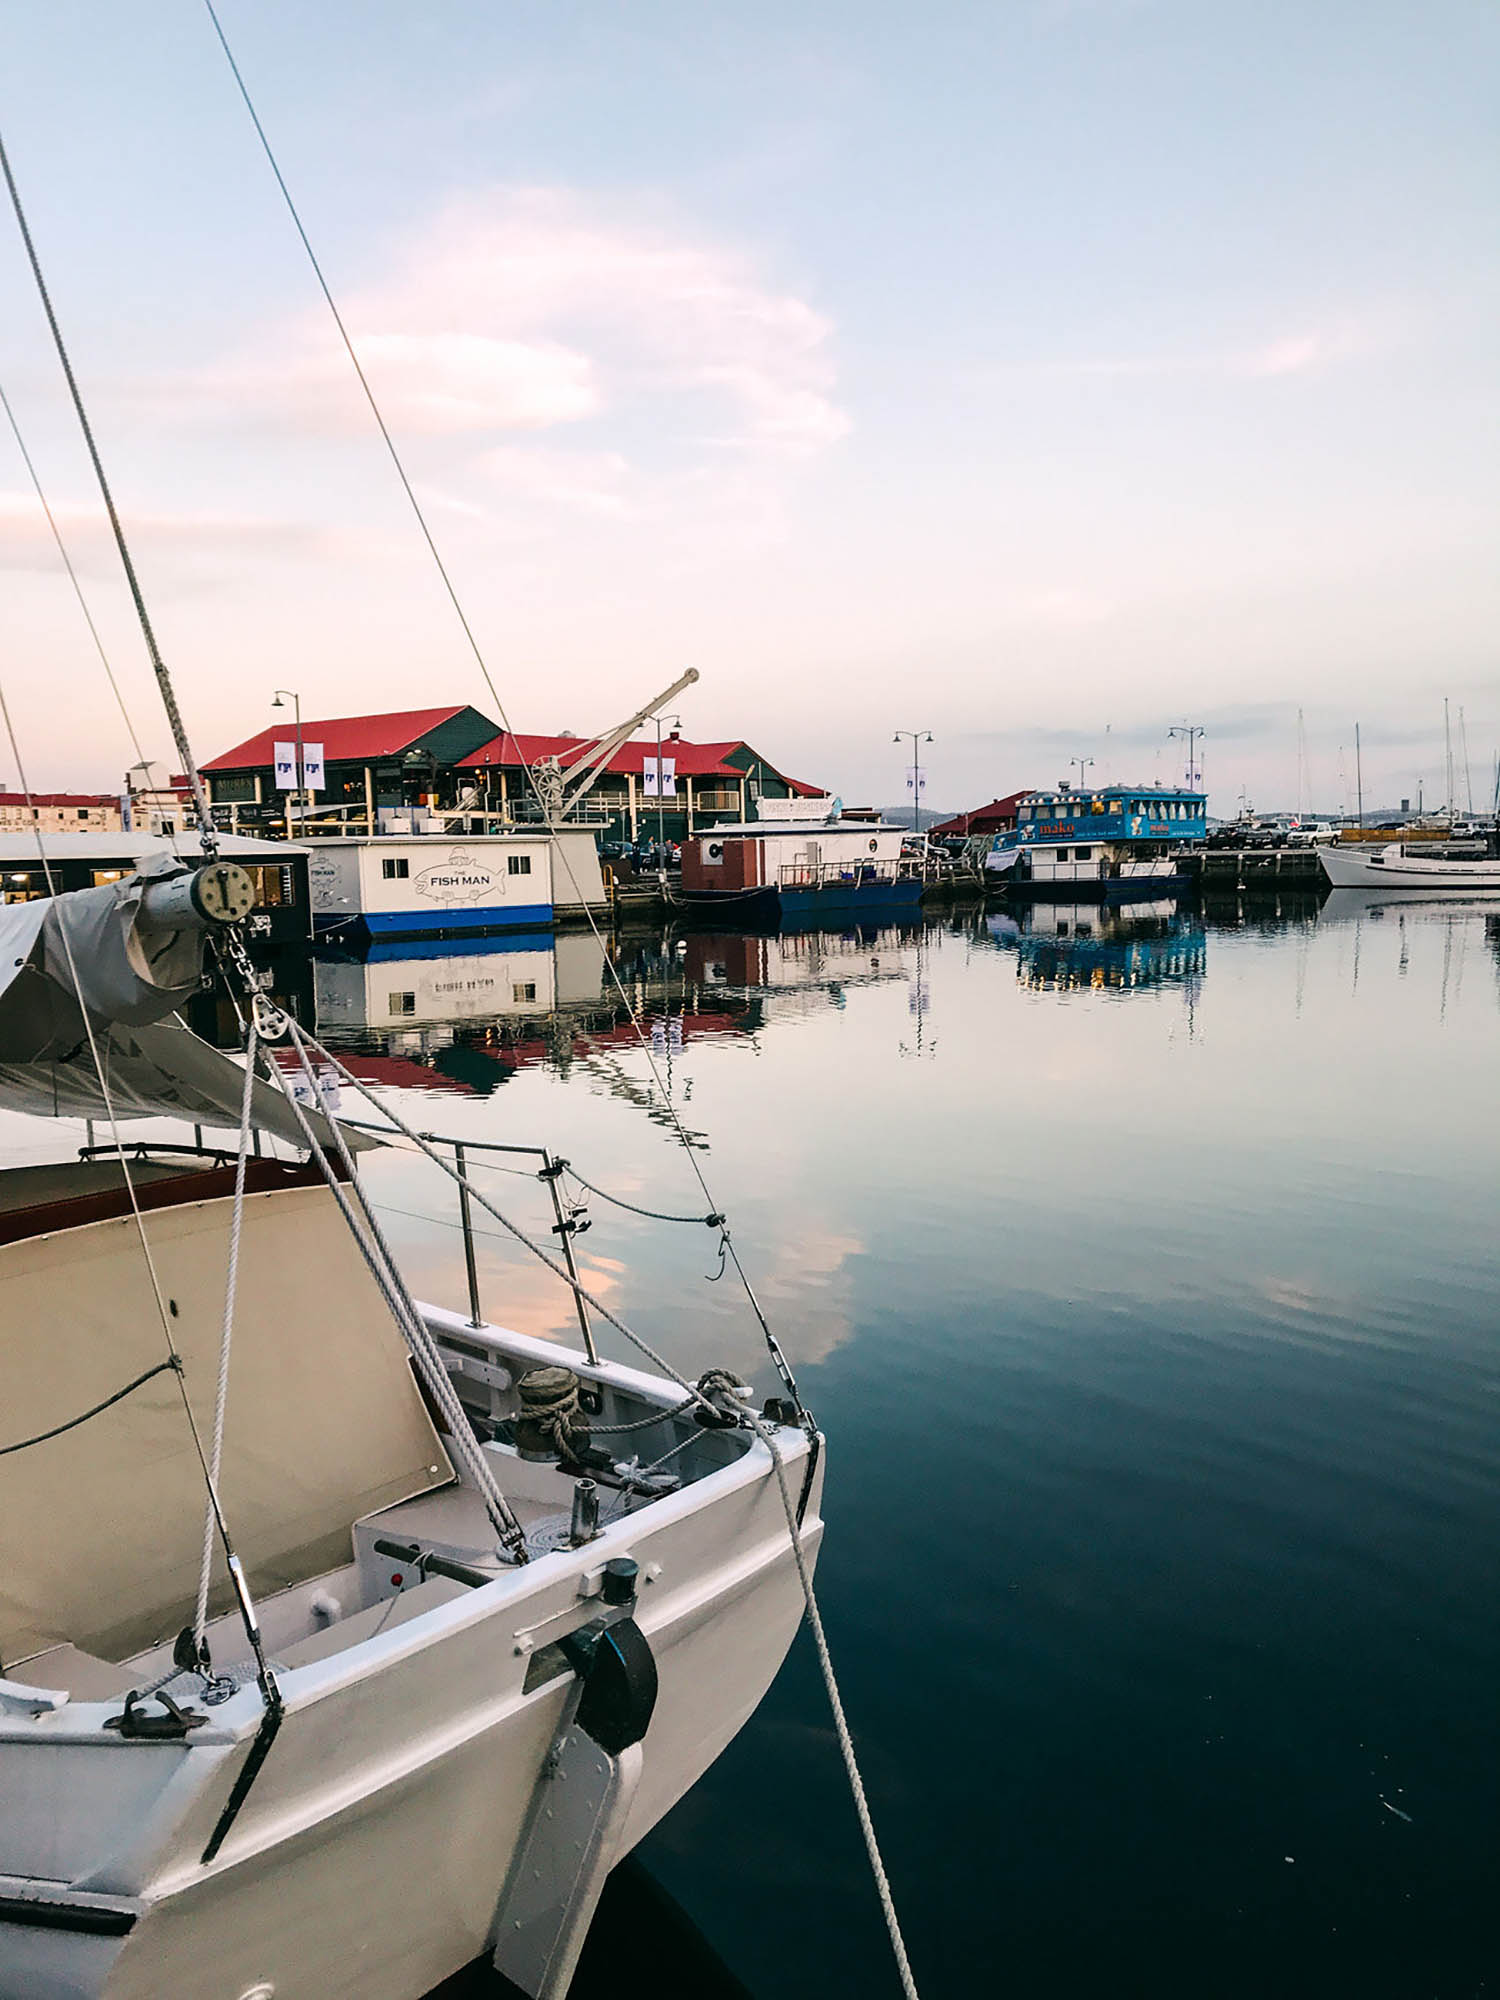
563	794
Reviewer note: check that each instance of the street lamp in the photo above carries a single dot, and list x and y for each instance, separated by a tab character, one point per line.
918	738
301	796
1083	764
1192	731
661	834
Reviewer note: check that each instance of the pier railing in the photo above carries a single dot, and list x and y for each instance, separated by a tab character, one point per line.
827	874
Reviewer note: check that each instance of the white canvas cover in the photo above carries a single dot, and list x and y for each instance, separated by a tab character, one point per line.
101	1528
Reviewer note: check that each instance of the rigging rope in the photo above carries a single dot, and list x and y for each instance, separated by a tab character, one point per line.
248	1616
538	791
559	1271
714	1221
840	1720
24	1444
226	1335
67	562
382	1267
158	665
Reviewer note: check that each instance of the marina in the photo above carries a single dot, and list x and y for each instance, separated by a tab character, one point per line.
1231	1436
626	1373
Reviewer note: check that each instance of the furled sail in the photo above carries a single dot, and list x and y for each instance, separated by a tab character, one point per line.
107	959
96	950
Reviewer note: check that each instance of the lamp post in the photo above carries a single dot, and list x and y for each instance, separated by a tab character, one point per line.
918	738
299	794
1192	731
661	835
1083	764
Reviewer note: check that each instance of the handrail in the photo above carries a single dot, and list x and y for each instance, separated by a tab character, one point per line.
565	1227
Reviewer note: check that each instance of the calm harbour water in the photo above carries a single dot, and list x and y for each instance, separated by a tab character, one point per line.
1144	1278
1145	1282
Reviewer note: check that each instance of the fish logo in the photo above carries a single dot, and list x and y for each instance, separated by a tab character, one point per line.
460	879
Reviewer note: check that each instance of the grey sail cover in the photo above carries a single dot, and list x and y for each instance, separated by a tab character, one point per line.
86	951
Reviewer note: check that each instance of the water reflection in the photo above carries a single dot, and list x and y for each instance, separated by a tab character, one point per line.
1160	1379
1081	947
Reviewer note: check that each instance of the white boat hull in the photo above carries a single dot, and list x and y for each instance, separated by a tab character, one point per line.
1388	869
371	1856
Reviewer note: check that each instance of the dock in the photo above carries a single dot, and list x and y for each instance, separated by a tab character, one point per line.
1251	867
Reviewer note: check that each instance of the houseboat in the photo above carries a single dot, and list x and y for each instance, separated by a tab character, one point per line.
434	884
803	860
1099	846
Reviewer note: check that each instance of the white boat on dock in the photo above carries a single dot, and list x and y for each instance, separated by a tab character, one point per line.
1415	867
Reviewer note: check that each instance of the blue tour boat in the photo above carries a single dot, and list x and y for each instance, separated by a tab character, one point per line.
1118	841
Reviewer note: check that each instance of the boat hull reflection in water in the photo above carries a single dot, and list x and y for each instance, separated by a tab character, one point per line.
1099	946
396	983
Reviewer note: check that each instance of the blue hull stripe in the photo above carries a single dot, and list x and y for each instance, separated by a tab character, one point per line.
426	923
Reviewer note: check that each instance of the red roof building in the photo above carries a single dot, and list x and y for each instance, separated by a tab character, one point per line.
361	739
999	816
59	812
439	757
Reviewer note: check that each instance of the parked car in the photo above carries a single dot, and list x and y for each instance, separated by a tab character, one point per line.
1312	833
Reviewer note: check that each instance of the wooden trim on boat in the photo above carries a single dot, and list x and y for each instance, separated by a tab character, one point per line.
262	1176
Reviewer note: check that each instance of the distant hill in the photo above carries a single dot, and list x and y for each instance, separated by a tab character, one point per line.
902	815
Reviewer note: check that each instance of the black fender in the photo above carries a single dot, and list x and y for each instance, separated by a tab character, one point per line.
618	1671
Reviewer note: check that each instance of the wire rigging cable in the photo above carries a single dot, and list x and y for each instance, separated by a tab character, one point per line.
158	665
248	1616
783	1369
67	562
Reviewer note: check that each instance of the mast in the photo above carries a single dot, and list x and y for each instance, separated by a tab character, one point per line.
1448	754
1359	780
1302	777
1463	744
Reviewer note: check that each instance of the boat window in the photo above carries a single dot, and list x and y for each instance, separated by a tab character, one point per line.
518	864
1083	854
103	875
1062	854
523	989
1098	806
395	867
403	1003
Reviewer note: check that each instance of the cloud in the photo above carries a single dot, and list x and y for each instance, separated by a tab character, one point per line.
523	310
1299	353
26	541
